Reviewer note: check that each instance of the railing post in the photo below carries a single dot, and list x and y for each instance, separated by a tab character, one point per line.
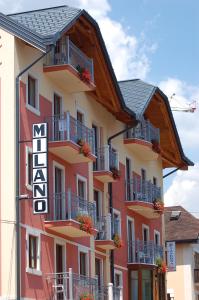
107	153
69	205
70	284
121	297
110	291
68	126
108	227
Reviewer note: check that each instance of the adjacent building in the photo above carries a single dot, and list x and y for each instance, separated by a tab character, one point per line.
98	180
183	228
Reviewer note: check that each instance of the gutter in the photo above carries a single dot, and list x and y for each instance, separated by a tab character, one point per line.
17	174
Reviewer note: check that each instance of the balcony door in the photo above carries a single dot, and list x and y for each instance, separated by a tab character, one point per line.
143	184
128	180
60	267
131	239
59	195
80	129
100	156
57	111
99	272
81	202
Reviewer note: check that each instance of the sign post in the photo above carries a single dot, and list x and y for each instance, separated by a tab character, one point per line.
171	256
40	168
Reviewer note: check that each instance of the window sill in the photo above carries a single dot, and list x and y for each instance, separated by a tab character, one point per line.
34	271
33	109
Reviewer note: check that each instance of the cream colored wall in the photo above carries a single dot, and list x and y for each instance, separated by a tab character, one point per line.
182	281
7	119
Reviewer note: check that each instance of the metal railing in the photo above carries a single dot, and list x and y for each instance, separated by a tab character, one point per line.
144	131
139	190
66	52
67	206
144	252
110	292
104	227
66	128
71	286
107	159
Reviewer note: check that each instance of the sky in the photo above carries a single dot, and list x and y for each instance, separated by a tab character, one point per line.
156	41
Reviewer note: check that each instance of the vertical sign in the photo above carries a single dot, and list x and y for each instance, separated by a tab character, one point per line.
40	168
171	256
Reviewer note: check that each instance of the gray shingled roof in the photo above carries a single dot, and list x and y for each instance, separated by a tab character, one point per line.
47	22
136	94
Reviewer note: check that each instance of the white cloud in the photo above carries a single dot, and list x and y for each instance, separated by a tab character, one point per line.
187	123
184	190
129	54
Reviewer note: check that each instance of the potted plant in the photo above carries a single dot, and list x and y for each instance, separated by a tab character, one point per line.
117	240
86	223
86	296
84	74
158	205
162	267
115	172
84	147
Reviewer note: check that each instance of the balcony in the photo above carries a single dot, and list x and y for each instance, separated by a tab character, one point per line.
144	140
110	292
140	196
65	216
140	252
62	65
65	135
104	236
106	166
71	286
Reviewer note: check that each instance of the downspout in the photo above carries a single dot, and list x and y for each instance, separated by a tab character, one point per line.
17	174
110	190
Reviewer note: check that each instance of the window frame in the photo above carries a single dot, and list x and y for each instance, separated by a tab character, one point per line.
120	273
117	212
83	179
37	234
36	109
156	232
28	151
144	226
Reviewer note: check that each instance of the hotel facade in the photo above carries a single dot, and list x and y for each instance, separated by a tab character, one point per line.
82	191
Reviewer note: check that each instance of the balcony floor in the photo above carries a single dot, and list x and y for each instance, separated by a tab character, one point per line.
67	78
68	228
143	208
69	151
142	148
105	244
104	176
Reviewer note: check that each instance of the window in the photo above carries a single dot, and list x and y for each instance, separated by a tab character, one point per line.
155	181
116	222
29	168
99	271
97	200
32	94
145	233
33	251
81	187
80	127
157	238
118	278
83	263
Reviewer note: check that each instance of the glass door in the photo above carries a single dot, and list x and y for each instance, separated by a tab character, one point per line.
58	194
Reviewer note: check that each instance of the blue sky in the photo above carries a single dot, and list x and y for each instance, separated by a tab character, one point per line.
157	41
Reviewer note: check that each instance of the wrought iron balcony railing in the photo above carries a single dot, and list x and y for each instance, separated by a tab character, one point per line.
104	227
107	159
66	128
144	131
71	286
67	206
139	190
141	252
66	53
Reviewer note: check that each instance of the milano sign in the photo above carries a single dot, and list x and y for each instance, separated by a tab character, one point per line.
40	168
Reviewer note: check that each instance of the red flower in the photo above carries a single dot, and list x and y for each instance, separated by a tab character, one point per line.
85	148
117	241
158	206
86	223
86	297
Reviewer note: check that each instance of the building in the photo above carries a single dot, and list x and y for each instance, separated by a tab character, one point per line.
183	228
108	144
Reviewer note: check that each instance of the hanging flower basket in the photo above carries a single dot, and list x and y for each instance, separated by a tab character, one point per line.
86	297
115	172
158	206
117	241
84	147
84	74
162	267
86	223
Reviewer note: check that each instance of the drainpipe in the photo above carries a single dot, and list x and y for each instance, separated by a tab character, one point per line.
17	174
110	190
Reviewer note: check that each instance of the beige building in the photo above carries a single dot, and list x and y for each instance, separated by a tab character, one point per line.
183	228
